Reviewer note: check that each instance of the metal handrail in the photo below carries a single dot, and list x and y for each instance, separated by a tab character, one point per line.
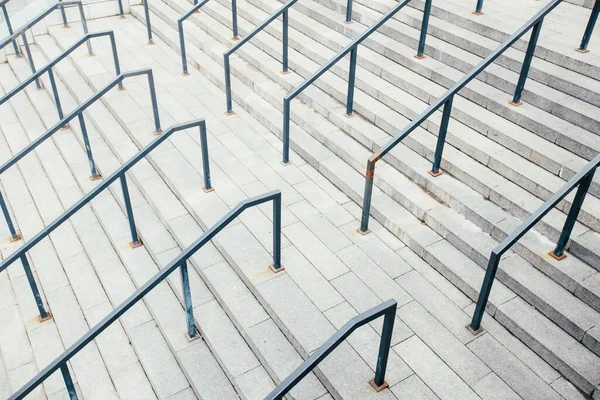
48	68
582	180
587	35
185	16
148	26
446	101
21	31
283	10
387	309
178	262
351	48
118	174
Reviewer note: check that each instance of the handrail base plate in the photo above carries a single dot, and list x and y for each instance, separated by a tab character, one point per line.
48	317
557	258
378	388
477	332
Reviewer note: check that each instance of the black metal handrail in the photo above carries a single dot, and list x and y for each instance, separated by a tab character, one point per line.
446	101
48	68
21	32
21	253
282	10
78	112
582	181
587	35
178	262
188	14
387	310
351	48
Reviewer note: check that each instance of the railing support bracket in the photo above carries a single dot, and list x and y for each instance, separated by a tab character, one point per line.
229	113
435	174
212	189
557	258
473	332
276	270
351	115
477	13
518	104
418	57
284	72
157	132
196	337
363	232
235	38
582	51
284	163
65	127
378	388
136	245
15	238
48	317
185	74
96	177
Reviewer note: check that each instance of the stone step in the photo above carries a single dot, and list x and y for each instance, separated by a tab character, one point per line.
553	269
418	236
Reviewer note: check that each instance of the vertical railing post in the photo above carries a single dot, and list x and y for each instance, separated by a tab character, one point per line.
187	299
85	29
379	382
351	79
44	315
227	84
14	236
113	45
30	57
424	27
154	101
234	20
484	294
478	8
135	240
284	41
148	26
88	148
535	33
439	149
10	30
64	369
582	190
277	267
55	93
182	46
63	15
589	28
349	11
366	210
205	161
286	131
121	12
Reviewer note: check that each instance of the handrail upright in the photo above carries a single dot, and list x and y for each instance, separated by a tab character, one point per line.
9	27
587	35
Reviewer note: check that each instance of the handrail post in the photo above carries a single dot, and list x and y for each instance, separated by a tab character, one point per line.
284	41
424	27
205	161
437	158
349	11
227	70
234	20
135	241
535	33
30	57
88	148
277	267
10	30
486	287
286	131
187	299
64	369
154	101
44	315
14	236
55	93
351	79
565	234
366	210
113	45
379	382
85	28
182	47
585	40
121	13
148	26
64	15
478	8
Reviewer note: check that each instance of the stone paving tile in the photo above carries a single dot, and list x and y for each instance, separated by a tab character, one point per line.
413	388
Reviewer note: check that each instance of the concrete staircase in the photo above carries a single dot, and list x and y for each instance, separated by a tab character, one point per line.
429	241
492	182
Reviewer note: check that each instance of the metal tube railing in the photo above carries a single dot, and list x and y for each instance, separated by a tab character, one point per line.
148	25
478	8
582	180
446	100
78	113
119	174
350	48
589	28
177	263
282	10
387	310
9	27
